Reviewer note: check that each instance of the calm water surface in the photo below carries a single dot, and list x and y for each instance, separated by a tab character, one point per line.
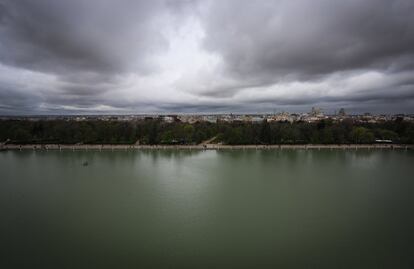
207	209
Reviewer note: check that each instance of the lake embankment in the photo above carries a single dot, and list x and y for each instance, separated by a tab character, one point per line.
199	147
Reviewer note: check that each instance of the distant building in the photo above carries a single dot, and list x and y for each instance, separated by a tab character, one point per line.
282	117
211	119
168	119
342	112
257	119
316	112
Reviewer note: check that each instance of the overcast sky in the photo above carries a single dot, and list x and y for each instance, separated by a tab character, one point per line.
157	56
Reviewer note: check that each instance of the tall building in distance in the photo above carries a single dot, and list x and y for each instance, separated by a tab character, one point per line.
316	112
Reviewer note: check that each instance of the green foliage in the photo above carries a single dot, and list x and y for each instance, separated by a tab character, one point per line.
265	133
361	135
157	132
386	134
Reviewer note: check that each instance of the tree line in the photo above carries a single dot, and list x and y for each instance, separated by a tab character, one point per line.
151	132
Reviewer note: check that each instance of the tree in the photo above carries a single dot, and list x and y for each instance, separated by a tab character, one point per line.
167	137
234	136
327	136
265	133
188	133
153	133
362	135
21	135
388	135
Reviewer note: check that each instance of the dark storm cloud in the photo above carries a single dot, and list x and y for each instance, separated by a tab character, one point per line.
310	37
61	56
86	45
291	40
15	102
382	95
74	36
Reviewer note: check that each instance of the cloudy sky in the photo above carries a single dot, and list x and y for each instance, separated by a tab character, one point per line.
205	56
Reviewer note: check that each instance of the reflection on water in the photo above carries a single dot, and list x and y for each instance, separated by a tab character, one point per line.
190	208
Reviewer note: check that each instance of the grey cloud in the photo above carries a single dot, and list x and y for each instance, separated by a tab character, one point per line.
14	102
382	96
87	45
89	49
61	36
301	39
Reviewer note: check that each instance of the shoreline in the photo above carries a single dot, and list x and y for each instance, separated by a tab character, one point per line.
106	147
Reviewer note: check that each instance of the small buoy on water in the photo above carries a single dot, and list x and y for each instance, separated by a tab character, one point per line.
85	163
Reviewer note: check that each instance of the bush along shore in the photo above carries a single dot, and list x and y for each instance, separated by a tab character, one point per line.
146	134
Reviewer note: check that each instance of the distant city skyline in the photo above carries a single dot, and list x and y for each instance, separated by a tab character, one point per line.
97	57
155	113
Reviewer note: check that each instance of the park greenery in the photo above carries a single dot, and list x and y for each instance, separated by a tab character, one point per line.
151	132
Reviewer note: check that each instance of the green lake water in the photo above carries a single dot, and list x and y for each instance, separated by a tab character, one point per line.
207	209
